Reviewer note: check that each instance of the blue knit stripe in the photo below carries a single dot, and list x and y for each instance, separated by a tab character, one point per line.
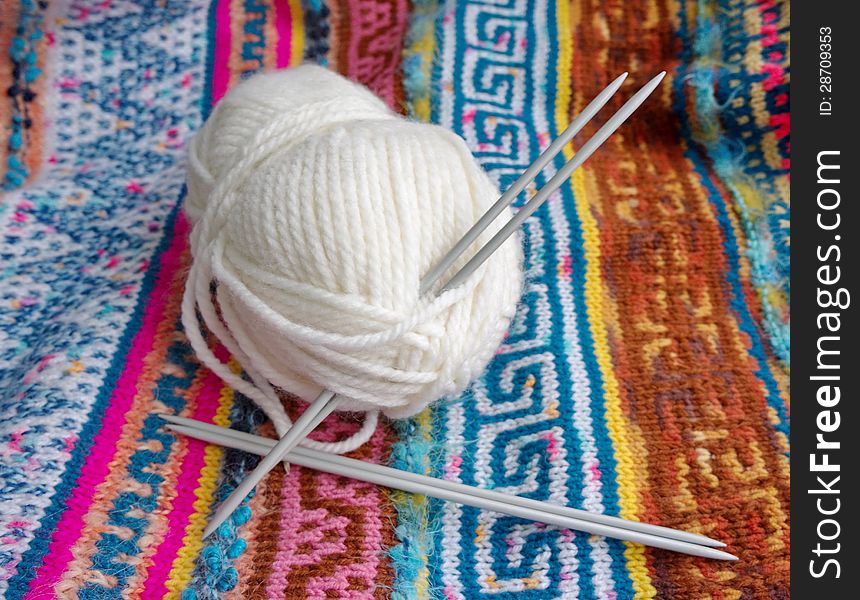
559	345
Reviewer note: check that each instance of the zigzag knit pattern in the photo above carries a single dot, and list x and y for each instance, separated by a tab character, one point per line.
645	374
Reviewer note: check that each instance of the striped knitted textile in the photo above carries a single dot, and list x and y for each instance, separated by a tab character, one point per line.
645	374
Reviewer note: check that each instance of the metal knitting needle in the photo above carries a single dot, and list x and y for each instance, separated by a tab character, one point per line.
252	443
327	402
520	184
452	492
556	182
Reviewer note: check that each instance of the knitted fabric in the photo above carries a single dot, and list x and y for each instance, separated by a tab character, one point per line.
643	376
636	380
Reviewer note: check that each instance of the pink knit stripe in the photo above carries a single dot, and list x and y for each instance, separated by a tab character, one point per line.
223	46
301	527
284	27
95	467
186	483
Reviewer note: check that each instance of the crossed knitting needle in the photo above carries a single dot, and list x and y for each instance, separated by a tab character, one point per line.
516	506
327	401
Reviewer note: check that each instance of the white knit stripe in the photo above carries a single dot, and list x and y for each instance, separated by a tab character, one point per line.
602	577
452	512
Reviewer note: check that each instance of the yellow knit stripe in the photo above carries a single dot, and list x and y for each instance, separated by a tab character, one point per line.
621	431
422	506
425	45
192	543
297	35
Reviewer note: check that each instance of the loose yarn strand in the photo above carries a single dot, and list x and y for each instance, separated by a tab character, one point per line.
260	391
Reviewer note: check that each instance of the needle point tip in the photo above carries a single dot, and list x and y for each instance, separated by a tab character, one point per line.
616	83
710	542
720	555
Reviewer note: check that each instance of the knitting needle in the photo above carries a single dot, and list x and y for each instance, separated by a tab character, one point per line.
532	510
219	435
434	274
556	182
326	402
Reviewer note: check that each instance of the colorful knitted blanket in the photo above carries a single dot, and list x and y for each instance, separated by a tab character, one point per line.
645	375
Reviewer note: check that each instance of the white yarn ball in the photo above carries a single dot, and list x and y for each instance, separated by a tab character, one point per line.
316	212
312	95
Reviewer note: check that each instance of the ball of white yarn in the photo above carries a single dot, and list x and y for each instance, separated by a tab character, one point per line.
316	212
312	96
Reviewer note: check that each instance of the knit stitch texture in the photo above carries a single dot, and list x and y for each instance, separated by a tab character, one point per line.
644	375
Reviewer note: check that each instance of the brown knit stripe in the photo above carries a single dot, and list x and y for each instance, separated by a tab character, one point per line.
340	34
713	462
385	573
8	24
255	567
355	541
